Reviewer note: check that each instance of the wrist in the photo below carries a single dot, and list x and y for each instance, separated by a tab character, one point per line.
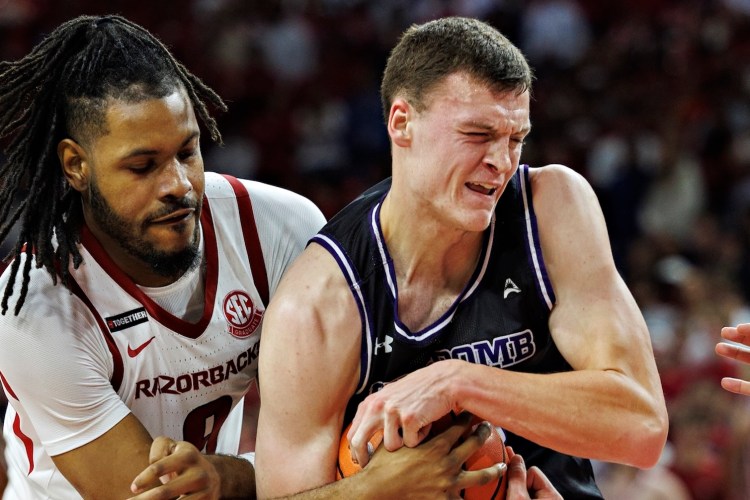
236	476
375	482
455	381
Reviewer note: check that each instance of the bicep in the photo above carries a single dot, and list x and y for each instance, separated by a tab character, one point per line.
309	364
595	322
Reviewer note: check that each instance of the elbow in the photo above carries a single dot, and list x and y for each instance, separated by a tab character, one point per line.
650	438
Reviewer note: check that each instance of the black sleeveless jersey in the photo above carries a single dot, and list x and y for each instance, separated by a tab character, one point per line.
499	319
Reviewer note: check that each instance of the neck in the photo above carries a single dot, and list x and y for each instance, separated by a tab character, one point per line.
424	250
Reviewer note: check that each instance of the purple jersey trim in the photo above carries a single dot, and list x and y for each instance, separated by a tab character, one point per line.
533	247
426	334
351	276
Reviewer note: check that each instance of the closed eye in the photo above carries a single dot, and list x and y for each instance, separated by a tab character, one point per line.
184	155
477	136
142	168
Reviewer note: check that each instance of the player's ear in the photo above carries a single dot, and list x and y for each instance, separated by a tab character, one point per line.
399	121
74	162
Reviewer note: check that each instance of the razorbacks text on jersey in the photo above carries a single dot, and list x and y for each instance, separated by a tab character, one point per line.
74	363
499	319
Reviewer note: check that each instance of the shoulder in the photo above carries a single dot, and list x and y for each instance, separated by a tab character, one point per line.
314	286
261	193
222	186
568	214
276	210
53	324
571	225
45	302
282	203
560	192
315	275
557	179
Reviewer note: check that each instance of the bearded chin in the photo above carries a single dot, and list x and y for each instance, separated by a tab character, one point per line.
174	264
167	264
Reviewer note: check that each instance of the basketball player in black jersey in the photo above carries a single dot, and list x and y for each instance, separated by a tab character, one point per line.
464	282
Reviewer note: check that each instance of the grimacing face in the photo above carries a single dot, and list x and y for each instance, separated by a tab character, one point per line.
464	148
142	185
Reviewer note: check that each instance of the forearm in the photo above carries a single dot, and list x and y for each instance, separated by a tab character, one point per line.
434	468
595	414
237	476
352	487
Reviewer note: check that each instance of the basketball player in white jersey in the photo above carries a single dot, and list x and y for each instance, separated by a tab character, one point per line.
134	303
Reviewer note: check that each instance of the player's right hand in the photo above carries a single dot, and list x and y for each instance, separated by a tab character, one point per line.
434	467
182	470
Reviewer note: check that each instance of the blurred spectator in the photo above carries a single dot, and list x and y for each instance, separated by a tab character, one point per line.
620	482
238	156
675	198
554	32
701	435
320	127
289	48
17	11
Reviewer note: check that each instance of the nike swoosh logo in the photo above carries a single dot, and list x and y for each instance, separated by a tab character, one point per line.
135	352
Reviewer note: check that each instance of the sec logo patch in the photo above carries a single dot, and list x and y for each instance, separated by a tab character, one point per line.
241	314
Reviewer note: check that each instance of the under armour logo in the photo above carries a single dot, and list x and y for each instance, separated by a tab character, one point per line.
510	287
386	345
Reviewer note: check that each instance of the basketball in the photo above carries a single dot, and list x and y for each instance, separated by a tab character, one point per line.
492	452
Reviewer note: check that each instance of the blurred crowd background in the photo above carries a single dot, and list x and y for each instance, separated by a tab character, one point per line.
648	99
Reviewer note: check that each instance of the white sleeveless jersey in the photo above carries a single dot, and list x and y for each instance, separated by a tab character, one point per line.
75	363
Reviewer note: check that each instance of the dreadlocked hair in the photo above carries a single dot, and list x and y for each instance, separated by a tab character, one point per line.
60	90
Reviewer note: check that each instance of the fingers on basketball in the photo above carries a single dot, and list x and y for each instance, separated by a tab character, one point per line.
491	453
484	461
346	465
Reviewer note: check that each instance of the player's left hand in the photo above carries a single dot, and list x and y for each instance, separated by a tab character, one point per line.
182	470
404	409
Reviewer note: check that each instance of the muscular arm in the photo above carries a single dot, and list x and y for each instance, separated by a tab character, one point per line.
612	403
309	367
597	325
306	374
611	406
